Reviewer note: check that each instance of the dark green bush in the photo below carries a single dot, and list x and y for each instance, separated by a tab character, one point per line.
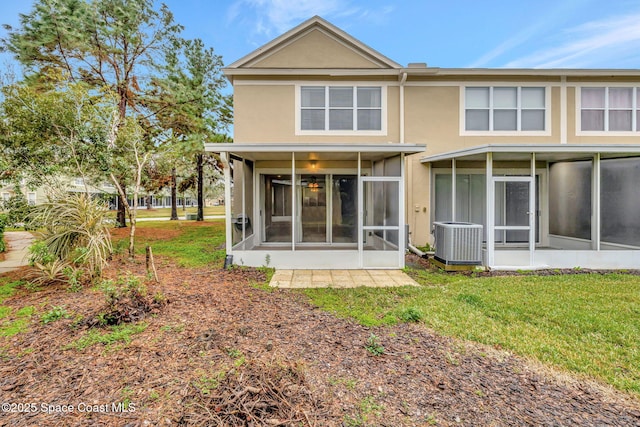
3	223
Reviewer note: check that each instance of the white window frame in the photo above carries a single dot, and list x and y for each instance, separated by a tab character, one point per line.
354	132
34	201
519	86
635	107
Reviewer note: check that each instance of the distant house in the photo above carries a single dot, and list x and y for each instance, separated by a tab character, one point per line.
339	151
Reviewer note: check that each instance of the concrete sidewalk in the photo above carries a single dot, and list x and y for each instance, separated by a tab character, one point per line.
17	253
340	278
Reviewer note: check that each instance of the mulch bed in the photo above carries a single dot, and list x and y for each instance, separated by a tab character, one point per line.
221	352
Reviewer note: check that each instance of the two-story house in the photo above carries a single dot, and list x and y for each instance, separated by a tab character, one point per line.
338	149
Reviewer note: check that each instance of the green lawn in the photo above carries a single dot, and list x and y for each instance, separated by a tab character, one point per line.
143	212
588	324
196	244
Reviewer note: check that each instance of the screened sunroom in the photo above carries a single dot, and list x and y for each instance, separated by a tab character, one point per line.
544	205
315	206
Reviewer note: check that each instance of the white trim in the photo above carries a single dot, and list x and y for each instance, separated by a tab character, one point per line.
315	22
490	207
563	110
315	82
596	201
324	147
227	201
383	110
536	148
519	86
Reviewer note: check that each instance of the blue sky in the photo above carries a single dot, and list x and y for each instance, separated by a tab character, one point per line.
443	33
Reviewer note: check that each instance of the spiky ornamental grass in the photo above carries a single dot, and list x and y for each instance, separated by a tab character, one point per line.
75	229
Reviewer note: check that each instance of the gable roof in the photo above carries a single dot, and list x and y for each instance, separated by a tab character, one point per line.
330	31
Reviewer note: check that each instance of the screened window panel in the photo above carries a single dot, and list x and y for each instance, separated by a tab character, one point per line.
620	97
477	97
532	120
443	198
340	119
340	97
477	119
369	120
505	97
312	96
369	97
620	201
593	97
570	199
312	120
505	120
592	119
620	120
532	97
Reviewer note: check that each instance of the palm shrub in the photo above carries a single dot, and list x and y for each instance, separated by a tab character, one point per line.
75	231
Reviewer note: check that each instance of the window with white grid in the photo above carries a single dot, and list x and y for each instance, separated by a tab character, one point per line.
341	108
609	109
504	108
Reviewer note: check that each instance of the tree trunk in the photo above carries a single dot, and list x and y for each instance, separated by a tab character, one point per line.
174	201
148	201
200	216
121	218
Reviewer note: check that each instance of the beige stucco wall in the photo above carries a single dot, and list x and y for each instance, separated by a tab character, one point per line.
266	113
315	49
433	117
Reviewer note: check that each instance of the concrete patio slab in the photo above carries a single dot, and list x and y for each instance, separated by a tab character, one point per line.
299	279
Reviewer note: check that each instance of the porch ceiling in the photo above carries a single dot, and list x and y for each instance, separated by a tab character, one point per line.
314	151
544	152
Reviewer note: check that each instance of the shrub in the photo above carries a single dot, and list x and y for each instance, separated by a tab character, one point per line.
17	210
3	223
75	231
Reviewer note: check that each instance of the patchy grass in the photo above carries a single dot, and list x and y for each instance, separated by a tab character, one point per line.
191	244
20	322
119	333
587	324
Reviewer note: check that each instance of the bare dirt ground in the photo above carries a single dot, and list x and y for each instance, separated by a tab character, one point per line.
222	352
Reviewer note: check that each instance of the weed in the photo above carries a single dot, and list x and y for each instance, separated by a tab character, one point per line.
451	359
207	383
234	353
56	313
373	345
411	314
126	394
122	333
154	395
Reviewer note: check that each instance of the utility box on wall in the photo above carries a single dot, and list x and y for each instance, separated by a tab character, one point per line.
458	243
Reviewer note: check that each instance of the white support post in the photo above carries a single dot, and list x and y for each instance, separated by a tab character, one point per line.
360	213
244	213
401	220
490	210
453	190
293	202
533	211
227	201
597	176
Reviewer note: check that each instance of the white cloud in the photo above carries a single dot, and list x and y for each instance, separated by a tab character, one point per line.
273	17
605	43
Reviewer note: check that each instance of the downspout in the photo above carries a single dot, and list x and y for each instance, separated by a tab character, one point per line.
403	79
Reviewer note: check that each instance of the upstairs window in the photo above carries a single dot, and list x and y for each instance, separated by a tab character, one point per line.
502	109
340	108
609	109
